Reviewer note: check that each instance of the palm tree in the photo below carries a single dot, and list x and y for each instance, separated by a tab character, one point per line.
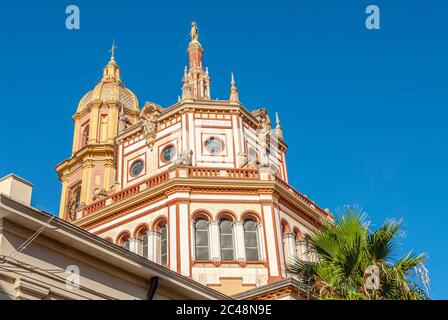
349	261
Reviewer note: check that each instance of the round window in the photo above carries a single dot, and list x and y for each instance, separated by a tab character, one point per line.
137	168
168	154
214	145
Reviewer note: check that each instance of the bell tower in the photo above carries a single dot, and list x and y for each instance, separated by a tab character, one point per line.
102	113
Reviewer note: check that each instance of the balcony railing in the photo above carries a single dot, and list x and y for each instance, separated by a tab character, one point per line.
223	173
192	172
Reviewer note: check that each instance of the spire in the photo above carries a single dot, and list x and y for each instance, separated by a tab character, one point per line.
278	129
111	72
234	94
195	78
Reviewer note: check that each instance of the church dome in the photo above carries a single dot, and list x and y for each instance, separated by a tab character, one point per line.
110	92
111	89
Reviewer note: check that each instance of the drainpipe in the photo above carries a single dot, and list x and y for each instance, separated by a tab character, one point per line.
153	285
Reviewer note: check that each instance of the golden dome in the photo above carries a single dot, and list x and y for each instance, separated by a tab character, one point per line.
110	89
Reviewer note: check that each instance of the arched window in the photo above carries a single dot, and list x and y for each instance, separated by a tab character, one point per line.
251	240
226	237
164	245
159	244
142	240
74	202
123	240
85	135
201	239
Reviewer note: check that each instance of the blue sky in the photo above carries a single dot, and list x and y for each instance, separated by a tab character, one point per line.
364	112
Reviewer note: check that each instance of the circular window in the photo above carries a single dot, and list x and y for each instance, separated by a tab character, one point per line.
214	145
168	154
137	168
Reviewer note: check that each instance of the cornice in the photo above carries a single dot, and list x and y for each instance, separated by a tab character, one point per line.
86	152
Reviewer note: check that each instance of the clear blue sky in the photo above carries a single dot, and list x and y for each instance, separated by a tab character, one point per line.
364	112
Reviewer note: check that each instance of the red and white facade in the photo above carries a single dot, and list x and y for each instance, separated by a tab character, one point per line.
202	187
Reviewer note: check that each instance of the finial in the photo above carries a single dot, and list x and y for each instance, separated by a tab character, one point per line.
112	71
185	77
234	94
112	50
278	129
186	89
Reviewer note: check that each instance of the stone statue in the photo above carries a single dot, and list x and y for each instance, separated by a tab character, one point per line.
264	140
99	193
265	132
72	208
253	164
243	159
123	121
194	32
74	203
185	158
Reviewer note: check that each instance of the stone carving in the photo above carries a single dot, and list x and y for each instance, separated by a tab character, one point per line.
265	133
74	203
123	121
185	158
73	206
149	123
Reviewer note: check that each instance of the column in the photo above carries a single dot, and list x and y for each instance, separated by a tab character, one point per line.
301	250
172	237
184	132
261	246
278	232
184	242
113	123
215	241
151	249
290	247
136	245
64	194
236	140
86	192
273	248
193	241
94	119
76	136
238	234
